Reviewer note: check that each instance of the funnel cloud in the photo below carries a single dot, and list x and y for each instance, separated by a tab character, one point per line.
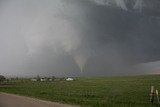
79	38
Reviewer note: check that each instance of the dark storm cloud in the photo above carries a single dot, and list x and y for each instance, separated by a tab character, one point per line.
119	38
135	33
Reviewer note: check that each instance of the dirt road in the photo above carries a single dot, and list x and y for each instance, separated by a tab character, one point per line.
10	100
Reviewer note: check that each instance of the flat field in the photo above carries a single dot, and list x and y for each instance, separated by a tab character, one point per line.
126	91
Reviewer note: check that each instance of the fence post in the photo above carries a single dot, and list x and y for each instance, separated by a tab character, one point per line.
152	94
157	96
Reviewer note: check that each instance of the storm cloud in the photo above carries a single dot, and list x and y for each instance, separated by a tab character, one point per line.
74	38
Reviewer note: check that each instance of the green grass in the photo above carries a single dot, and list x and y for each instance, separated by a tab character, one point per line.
131	91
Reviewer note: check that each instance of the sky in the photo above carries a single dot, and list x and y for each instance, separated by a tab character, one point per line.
79	37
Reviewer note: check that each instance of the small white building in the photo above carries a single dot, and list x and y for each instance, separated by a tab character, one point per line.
69	79
43	79
50	79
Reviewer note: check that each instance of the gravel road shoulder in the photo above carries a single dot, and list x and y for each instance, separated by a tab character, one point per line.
11	100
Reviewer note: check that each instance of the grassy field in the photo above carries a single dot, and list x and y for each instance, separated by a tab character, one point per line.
130	91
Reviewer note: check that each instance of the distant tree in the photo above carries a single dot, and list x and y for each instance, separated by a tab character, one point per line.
62	78
2	78
53	78
38	78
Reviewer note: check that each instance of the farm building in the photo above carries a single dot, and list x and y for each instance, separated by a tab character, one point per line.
50	79
43	79
69	79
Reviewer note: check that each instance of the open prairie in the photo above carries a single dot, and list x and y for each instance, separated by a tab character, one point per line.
126	91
